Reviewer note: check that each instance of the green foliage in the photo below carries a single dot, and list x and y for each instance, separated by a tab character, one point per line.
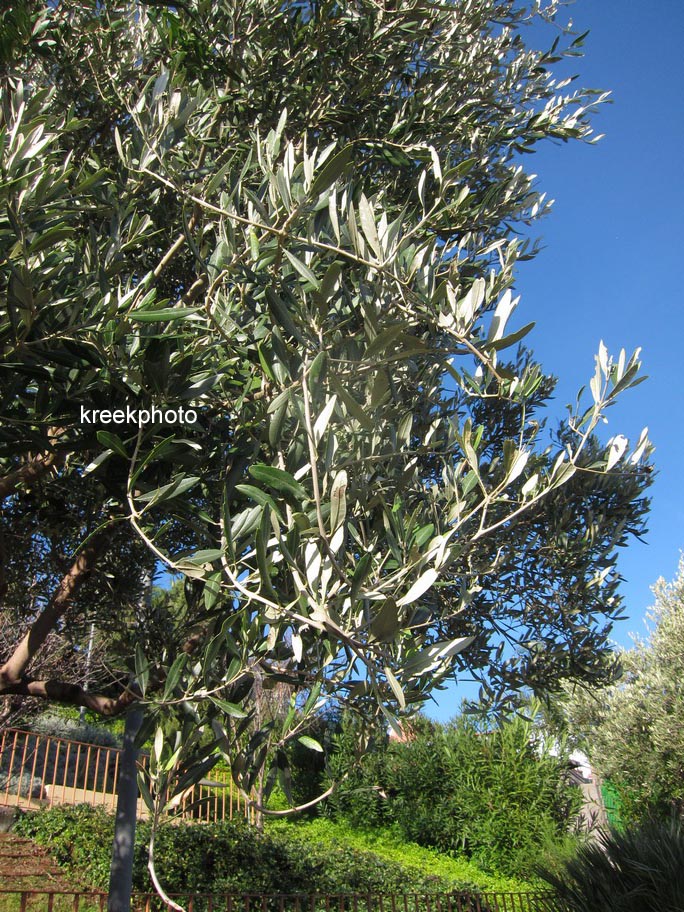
390	844
298	219
640	868
357	765
16	24
233	857
307	766
80	840
495	795
633	731
64	722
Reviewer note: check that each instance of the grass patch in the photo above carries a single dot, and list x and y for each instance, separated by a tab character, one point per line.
389	845
11	902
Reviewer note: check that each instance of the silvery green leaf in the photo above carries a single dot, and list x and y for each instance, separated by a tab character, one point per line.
424	582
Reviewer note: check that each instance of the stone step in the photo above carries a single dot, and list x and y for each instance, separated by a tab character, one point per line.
25	865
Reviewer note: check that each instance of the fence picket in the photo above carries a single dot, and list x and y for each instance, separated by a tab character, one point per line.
11	767
71	772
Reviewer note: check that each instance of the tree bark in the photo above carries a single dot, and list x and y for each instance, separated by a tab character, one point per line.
121	871
73	694
30	471
13	670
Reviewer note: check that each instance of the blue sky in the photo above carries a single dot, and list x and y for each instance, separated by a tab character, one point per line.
613	261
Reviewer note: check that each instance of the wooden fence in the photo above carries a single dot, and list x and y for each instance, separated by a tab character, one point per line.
94	901
38	771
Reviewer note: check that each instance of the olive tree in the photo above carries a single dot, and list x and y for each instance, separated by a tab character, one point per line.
632	730
258	265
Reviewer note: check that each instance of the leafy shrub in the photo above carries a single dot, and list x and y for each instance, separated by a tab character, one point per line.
496	795
80	839
388	843
555	851
24	785
359	797
63	725
638	869
307	767
227	857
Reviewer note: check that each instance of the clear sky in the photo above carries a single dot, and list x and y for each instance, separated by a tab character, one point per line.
613	262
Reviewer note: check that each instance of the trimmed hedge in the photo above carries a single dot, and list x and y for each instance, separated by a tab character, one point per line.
227	857
390	845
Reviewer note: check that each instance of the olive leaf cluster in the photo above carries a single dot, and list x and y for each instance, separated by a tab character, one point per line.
298	220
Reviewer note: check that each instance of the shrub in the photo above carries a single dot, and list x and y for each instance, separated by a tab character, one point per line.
358	798
638	869
80	839
62	725
495	795
24	785
227	857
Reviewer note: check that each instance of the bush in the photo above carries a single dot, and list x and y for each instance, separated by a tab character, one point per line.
227	857
24	785
388	843
62	725
640	869
359	798
496	795
79	838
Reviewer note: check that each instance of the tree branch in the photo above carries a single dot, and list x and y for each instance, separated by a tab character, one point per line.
288	812
13	670
73	694
31	471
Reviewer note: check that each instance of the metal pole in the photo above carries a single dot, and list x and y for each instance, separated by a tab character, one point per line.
81	715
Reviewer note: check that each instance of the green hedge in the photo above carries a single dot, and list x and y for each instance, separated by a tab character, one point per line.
221	857
389	844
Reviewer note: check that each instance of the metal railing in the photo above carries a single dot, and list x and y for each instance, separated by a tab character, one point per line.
95	901
353	902
52	901
43	770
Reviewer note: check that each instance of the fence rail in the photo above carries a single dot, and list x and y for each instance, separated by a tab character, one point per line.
96	901
43	770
